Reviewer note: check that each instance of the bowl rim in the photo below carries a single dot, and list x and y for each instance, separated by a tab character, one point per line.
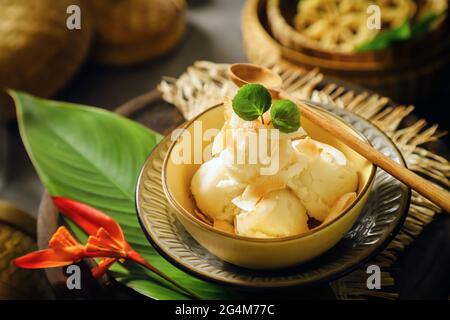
186	214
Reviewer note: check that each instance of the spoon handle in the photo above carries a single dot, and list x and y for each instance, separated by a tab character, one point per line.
426	188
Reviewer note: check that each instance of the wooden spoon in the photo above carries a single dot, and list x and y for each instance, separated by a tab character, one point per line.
243	73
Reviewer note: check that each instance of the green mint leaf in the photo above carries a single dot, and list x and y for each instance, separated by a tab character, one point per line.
251	101
285	116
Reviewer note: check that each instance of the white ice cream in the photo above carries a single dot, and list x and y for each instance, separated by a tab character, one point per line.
213	190
250	149
279	214
327	176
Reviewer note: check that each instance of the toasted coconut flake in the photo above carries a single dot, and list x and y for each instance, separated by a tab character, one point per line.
308	145
255	191
246	205
294	169
224	226
332	154
299	134
340	205
264	185
241	222
202	216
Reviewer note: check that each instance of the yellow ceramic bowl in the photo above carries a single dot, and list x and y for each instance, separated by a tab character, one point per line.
256	253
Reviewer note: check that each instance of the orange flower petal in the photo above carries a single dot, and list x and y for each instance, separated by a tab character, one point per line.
98	251
62	239
46	258
104	237
102	267
88	218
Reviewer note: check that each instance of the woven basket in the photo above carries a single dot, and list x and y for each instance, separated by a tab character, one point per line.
135	31
17	232
280	12
406	74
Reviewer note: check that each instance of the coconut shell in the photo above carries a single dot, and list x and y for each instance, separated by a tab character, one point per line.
147	49
38	53
17	237
134	31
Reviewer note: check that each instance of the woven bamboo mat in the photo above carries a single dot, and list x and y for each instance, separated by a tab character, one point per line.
205	83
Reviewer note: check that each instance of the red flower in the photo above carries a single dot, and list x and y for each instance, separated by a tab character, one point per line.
106	241
63	250
106	238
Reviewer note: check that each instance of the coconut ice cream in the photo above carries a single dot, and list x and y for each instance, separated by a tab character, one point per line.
279	214
214	190
310	179
327	177
250	149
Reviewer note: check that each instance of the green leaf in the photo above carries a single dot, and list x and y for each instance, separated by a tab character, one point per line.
386	38
407	31
251	101
94	156
285	116
424	24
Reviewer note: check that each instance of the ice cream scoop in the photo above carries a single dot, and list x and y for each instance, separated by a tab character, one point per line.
327	176
214	189
250	149
279	214
237	193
